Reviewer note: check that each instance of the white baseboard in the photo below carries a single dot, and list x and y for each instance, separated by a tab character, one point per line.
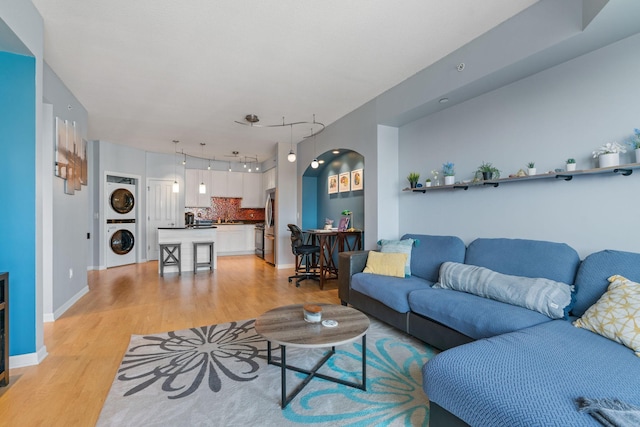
51	317
29	359
283	266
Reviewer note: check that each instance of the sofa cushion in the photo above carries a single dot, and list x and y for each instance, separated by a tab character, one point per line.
591	280
616	315
391	291
392	264
403	246
433	251
545	296
528	258
532	377
471	315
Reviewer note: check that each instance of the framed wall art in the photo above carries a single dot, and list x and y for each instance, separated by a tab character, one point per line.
61	158
332	184
356	180
344	182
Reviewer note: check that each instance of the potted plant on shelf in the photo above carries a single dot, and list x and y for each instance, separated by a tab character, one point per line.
571	164
488	171
427	183
531	168
634	143
608	155
413	178
449	173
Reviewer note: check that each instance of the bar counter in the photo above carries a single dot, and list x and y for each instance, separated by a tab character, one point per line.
187	236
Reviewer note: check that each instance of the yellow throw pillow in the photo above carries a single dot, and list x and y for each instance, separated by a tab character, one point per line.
616	315
386	264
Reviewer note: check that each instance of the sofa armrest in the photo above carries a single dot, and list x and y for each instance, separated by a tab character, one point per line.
349	263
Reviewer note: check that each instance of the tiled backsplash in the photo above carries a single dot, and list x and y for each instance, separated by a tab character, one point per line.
227	208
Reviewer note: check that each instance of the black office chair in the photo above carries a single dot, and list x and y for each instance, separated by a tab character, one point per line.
306	254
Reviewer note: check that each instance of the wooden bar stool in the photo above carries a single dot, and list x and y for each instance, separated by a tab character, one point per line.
170	255
197	264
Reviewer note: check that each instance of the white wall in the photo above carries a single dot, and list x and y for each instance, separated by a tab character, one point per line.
566	111
70	221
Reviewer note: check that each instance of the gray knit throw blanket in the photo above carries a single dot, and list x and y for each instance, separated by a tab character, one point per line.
610	412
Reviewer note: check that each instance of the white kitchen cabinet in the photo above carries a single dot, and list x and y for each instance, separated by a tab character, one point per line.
269	179
219	183
226	184
193	198
234	183
252	191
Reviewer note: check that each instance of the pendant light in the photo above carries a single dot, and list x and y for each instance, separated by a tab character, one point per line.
202	189
314	162
291	156
229	166
175	187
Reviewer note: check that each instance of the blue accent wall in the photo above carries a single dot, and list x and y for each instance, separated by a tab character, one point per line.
331	205
18	195
309	202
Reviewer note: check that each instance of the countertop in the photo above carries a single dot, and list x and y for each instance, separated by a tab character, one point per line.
187	228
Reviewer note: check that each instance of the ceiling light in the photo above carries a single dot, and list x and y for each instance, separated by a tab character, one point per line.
443	100
291	156
336	151
202	189
321	161
229	166
175	187
315	164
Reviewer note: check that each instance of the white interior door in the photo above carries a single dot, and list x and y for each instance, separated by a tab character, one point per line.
162	211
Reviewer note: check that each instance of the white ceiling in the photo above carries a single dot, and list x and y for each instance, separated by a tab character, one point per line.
151	71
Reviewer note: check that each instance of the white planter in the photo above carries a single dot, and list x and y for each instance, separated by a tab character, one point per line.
608	160
637	155
531	171
449	180
427	184
571	167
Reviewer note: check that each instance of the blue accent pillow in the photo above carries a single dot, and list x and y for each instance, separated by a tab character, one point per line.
399	246
546	296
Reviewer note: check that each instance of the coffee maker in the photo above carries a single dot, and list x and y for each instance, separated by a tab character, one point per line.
189	219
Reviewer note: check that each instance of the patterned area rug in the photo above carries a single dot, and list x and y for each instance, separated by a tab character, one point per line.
218	376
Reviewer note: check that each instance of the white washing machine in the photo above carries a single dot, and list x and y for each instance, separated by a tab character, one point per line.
121	201
121	243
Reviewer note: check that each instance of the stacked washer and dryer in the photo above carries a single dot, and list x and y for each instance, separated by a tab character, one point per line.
121	223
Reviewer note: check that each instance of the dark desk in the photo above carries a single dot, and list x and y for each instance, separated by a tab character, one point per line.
329	241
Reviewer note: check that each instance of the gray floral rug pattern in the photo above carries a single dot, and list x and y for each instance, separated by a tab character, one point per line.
218	376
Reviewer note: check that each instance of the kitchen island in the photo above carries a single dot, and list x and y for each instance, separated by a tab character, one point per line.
187	236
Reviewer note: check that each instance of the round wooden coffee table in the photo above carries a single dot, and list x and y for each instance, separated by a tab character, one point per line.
286	326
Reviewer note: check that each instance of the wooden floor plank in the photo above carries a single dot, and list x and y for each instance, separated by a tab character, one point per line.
87	343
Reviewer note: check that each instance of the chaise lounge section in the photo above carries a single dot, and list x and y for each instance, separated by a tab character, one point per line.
504	364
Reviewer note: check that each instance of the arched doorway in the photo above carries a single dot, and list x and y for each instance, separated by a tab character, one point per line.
319	203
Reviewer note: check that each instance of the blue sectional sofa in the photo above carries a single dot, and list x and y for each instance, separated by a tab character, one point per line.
502	364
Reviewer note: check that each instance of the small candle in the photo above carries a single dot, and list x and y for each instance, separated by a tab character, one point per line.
312	313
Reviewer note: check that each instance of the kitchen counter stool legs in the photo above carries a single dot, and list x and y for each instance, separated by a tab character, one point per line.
170	256
208	263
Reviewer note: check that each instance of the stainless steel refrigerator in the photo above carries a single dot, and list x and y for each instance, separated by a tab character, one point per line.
269	227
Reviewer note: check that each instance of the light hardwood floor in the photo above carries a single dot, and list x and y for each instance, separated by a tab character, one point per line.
87	343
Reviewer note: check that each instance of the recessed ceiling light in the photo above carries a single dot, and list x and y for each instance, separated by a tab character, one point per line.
443	100
336	151
321	161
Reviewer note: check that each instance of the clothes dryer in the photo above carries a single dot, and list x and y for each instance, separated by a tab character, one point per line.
121	243
121	201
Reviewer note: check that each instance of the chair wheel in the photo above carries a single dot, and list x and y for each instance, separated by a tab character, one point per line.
289	280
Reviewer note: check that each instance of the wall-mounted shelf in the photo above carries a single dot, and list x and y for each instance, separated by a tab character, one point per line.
624	170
